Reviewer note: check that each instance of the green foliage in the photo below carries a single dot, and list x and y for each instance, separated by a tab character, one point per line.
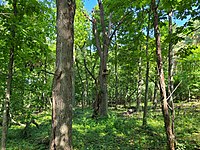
34	33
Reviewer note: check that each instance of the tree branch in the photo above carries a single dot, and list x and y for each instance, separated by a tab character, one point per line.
5	14
97	38
95	32
47	72
85	65
193	30
173	91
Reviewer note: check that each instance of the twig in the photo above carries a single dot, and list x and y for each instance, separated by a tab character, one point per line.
173	91
85	64
47	72
193	30
5	14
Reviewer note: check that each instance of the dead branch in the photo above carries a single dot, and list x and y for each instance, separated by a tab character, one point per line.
173	91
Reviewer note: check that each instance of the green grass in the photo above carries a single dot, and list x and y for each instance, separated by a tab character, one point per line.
114	132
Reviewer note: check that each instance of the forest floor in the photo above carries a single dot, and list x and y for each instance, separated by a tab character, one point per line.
116	132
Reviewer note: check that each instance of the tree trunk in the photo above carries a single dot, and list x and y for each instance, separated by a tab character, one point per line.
116	76
170	58
103	64
82	85
139	93
166	115
7	100
9	83
102	96
103	86
189	94
155	101
62	93
147	75
170	71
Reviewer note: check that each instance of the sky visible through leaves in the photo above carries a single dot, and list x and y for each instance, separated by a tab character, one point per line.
89	4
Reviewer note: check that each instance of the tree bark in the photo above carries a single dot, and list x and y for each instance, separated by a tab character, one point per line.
82	84
139	92
116	76
9	83
155	100
103	64
62	93
166	115
147	75
170	70
102	96
102	48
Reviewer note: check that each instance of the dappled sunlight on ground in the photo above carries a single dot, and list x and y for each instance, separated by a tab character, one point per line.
114	132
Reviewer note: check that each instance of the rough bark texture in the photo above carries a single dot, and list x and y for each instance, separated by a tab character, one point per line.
166	115
147	75
102	48
102	96
8	83
62	93
103	64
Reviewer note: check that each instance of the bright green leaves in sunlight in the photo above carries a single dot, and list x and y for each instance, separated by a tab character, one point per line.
34	35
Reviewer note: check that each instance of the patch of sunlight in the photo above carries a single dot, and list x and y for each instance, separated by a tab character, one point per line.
102	134
121	135
14	127
155	123
75	126
81	130
195	136
64	129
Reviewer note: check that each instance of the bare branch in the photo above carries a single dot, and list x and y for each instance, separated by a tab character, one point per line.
193	30
173	91
85	64
48	72
96	36
5	14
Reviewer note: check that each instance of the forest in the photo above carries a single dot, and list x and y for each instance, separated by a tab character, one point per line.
123	76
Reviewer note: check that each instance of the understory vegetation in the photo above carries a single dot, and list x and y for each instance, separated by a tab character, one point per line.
119	130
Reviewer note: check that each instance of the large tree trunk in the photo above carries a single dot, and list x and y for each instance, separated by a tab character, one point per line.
9	83
103	110
147	75
103	64
62	93
102	48
166	115
102	96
